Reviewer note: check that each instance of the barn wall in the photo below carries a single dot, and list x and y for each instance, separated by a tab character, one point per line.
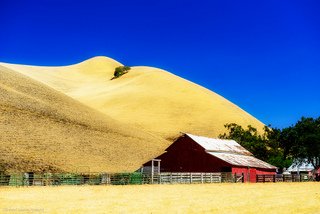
252	172
184	155
247	172
266	171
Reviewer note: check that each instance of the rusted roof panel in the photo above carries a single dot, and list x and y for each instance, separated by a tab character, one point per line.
219	145
242	160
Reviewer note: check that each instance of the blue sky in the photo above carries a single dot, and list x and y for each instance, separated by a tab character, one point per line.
262	55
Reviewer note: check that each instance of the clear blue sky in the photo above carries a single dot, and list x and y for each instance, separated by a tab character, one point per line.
262	55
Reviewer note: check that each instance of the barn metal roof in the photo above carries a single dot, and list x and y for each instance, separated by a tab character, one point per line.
219	145
301	166
229	151
242	160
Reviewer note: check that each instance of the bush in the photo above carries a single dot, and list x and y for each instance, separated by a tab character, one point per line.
70	179
119	71
126	178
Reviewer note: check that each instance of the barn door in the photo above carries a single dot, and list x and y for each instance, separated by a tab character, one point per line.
252	177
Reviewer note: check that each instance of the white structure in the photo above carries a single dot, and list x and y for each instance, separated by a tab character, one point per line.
299	166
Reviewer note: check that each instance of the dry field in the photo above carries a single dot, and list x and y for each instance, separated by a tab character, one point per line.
202	198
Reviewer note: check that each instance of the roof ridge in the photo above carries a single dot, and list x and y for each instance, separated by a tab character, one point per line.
228	152
214	138
222	145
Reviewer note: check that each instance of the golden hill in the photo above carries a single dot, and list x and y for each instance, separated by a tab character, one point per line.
42	129
148	98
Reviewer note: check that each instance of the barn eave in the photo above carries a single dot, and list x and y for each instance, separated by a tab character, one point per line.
242	160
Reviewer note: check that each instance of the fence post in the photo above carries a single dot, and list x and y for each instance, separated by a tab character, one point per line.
210	177
190	177
152	171
171	178
264	178
274	178
235	177
242	179
201	177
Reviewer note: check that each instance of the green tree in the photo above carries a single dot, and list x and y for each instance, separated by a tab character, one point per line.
280	146
277	144
264	146
119	71
248	138
288	141
307	140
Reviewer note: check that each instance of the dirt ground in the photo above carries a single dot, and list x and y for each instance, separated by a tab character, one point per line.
196	198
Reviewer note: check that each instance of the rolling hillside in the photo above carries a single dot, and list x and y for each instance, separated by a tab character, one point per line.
42	129
148	98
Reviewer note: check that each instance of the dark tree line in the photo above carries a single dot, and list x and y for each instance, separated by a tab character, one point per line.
280	146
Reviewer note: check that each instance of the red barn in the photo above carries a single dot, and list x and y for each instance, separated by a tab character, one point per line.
190	153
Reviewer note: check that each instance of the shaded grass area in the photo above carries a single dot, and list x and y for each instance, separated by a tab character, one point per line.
44	130
203	198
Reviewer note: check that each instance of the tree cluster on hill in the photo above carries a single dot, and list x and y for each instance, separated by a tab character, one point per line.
119	71
280	146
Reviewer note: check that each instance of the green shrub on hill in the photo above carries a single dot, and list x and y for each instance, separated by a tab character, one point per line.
119	71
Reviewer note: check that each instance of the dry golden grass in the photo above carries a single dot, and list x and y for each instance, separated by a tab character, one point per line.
75	118
42	129
207	198
149	98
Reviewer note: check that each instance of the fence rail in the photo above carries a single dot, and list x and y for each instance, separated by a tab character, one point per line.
284	178
171	178
54	179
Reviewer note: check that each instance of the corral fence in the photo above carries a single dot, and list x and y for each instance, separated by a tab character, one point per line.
196	177
56	179
284	178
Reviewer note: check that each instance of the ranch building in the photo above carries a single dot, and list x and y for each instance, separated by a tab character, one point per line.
300	166
191	153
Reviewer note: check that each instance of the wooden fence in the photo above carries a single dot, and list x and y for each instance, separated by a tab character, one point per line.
185	178
284	178
52	179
